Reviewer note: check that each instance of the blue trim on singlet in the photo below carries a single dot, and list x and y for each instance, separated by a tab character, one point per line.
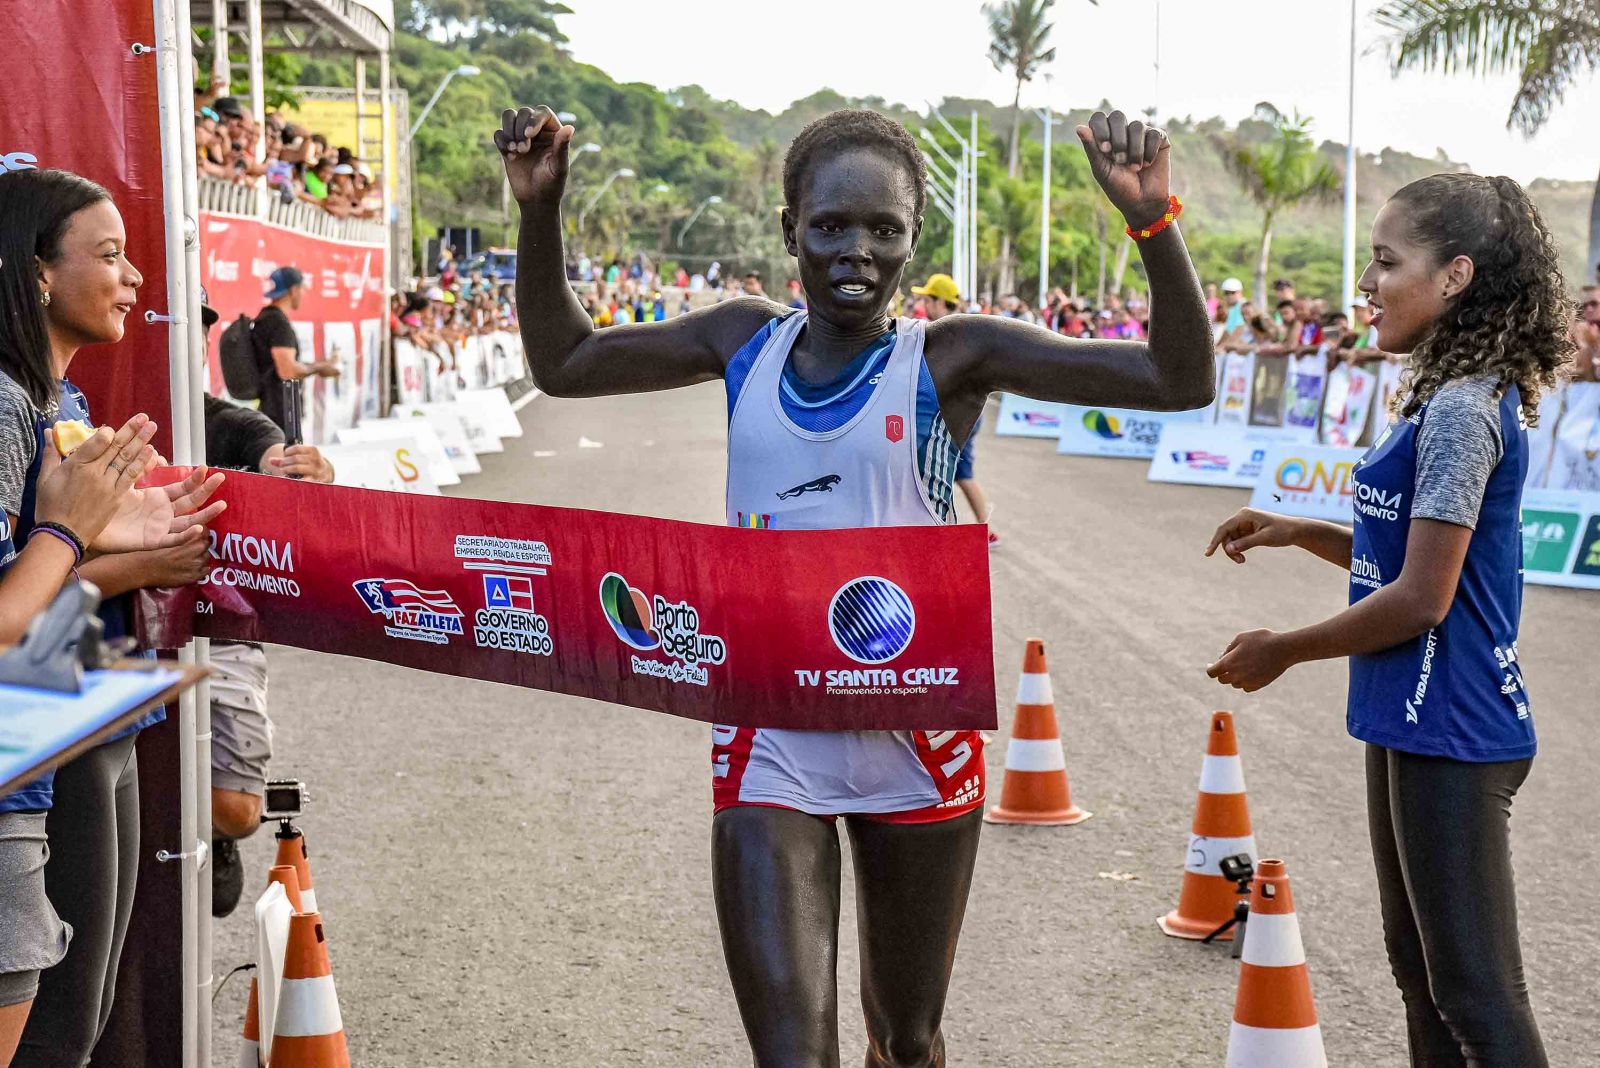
819	408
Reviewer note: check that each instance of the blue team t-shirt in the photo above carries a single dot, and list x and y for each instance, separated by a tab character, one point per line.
1457	690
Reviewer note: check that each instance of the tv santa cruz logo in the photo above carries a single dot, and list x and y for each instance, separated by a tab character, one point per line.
872	620
414	614
649	623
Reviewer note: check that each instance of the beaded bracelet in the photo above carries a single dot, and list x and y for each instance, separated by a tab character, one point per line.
59	531
1144	233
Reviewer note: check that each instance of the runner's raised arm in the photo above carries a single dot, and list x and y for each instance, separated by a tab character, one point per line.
1173	370
567	356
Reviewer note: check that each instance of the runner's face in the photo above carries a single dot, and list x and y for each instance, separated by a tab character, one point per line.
853	232
1403	284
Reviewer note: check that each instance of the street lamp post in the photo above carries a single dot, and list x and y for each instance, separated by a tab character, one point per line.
967	277
1350	180
704	204
622	172
1047	116
466	69
958	198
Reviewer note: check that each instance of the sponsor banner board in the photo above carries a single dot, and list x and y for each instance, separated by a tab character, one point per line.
1202	455
839	629
1025	418
1561	538
1307	480
339	319
415	444
1125	432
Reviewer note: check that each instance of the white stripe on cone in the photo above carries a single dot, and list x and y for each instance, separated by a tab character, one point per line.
1206	853
308	899
307	1008
1275	1047
1035	690
1222	775
1035	754
249	1054
1272	940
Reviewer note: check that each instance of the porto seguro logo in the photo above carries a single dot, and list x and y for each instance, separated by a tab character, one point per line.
1106	426
654	623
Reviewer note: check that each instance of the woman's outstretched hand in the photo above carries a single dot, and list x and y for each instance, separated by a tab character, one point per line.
1248	528
1132	163
533	143
1252	660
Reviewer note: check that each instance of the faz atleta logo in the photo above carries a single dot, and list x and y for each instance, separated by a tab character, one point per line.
824	484
872	621
649	623
414	614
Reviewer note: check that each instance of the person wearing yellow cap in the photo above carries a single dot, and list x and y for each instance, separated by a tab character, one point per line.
943	298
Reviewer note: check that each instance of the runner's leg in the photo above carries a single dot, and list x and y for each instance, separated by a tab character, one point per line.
911	896
775	874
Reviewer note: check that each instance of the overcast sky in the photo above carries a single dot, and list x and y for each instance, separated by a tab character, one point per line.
1216	59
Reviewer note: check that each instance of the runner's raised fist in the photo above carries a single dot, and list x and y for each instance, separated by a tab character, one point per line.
533	144
1131	162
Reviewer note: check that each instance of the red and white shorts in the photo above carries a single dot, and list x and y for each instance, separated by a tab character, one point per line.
890	776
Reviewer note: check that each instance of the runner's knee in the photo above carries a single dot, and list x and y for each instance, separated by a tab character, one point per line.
234	813
905	1047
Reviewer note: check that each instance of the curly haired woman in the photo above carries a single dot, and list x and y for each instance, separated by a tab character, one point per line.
1464	277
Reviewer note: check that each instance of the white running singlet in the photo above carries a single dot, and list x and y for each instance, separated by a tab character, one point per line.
863	474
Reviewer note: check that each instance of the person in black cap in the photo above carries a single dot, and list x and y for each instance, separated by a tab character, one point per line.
277	350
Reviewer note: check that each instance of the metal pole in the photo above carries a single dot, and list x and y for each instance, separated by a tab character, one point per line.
173	95
972	213
361	107
1350	180
1044	211
391	210
220	65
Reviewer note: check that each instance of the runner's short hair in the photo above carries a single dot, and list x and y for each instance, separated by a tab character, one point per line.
851	128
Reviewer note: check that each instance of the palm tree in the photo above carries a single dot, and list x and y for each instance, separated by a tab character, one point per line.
1547	43
1284	172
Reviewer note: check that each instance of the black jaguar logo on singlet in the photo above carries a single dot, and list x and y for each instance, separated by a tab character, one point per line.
824	484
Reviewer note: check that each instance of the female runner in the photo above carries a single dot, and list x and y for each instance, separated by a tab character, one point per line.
813	397
1464	277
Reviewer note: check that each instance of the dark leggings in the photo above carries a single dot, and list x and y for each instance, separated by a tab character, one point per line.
1443	851
775	874
94	862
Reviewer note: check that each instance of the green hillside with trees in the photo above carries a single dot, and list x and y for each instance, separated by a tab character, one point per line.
684	146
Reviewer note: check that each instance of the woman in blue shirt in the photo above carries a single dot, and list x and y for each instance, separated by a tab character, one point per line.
1464	277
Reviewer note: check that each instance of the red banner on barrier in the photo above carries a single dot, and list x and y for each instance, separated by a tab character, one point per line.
877	629
81	100
340	320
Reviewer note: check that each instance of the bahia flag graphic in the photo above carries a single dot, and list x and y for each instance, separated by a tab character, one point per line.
508	591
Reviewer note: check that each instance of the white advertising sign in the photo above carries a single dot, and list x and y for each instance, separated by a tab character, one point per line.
1124	432
1233	395
1306	480
451	431
1021	417
381	465
494	408
1561	538
479	438
1200	455
411	434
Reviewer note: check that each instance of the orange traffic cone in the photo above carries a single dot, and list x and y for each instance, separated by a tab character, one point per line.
290	880
1035	788
1221	829
309	1032
1274	1018
292	851
250	1037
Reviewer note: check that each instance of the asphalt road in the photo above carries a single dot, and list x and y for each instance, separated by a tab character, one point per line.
515	878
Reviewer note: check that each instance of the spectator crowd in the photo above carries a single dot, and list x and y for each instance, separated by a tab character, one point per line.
295	164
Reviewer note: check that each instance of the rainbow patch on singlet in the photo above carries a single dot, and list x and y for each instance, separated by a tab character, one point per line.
754	521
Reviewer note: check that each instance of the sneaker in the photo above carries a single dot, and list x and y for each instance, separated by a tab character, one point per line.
227	877
994	539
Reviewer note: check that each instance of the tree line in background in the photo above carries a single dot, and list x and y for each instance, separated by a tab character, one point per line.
1261	195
